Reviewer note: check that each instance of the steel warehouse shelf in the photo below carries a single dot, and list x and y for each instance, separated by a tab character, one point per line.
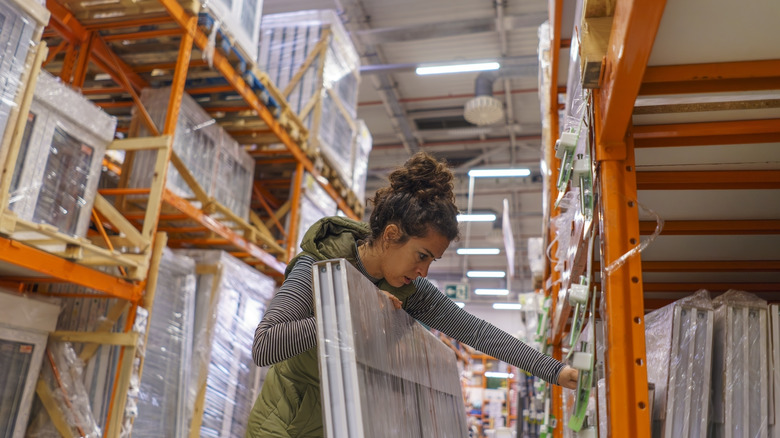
684	133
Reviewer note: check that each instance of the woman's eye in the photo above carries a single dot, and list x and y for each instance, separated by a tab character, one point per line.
422	256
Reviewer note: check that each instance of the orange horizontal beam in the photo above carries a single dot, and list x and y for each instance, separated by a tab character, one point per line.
120	24
709	180
148	34
722	227
181	230
125	191
707	133
227	109
222	230
711	77
116	104
707	266
713	287
51	266
209	90
102	90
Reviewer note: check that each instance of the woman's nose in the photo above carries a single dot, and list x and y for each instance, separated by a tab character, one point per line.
422	271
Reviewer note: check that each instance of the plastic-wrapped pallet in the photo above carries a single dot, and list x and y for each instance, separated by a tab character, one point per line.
222	168
679	361
362	149
740	376
240	19
60	159
310	55
382	374
63	374
24	327
315	205
231	297
16	40
162	398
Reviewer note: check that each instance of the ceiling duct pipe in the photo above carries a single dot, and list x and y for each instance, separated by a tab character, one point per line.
484	109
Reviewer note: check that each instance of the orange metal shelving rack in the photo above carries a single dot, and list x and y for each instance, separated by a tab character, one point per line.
76	49
625	76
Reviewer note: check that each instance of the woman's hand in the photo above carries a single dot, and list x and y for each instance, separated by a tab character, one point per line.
396	302
568	377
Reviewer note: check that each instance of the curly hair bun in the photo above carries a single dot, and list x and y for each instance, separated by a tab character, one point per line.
423	177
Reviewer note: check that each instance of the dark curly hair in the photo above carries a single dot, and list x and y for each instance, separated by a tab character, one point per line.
420	197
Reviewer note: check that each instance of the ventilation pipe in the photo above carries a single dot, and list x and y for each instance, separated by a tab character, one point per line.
484	109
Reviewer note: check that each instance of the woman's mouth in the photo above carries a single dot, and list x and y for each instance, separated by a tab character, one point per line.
407	280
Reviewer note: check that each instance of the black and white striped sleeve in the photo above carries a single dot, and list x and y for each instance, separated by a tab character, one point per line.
431	307
288	327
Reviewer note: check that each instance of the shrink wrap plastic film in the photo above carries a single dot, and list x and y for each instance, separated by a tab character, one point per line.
16	40
63	373
222	168
287	41
740	376
315	205
362	149
60	158
231	297
774	376
382	373
240	19
679	363
162	396
24	326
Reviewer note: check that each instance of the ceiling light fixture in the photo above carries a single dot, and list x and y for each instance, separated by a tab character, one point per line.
457	68
478	251
499	375
498	173
491	292
507	306
486	274
480	217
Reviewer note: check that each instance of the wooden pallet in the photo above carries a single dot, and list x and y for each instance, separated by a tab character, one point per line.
91	13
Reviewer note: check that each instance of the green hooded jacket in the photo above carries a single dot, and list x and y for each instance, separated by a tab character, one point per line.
289	403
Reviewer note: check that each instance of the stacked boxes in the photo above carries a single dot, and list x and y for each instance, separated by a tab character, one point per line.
222	168
60	158
309	55
315	204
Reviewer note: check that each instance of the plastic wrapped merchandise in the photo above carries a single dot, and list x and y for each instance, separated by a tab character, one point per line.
60	158
382	374
362	149
19	31
740	378
310	54
679	361
63	373
315	205
162	397
231	297
220	166
240	19
24	327
774	405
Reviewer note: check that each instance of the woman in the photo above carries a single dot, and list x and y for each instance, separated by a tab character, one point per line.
412	224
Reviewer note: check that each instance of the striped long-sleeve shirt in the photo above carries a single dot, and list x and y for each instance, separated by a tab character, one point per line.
288	327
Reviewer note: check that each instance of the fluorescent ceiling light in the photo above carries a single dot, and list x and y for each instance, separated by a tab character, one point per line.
478	251
507	306
491	292
460	304
498	375
486	274
457	68
498	173
487	217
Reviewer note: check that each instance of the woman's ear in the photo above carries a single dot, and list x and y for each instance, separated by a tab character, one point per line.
392	234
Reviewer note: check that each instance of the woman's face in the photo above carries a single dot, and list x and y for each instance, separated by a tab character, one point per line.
404	262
